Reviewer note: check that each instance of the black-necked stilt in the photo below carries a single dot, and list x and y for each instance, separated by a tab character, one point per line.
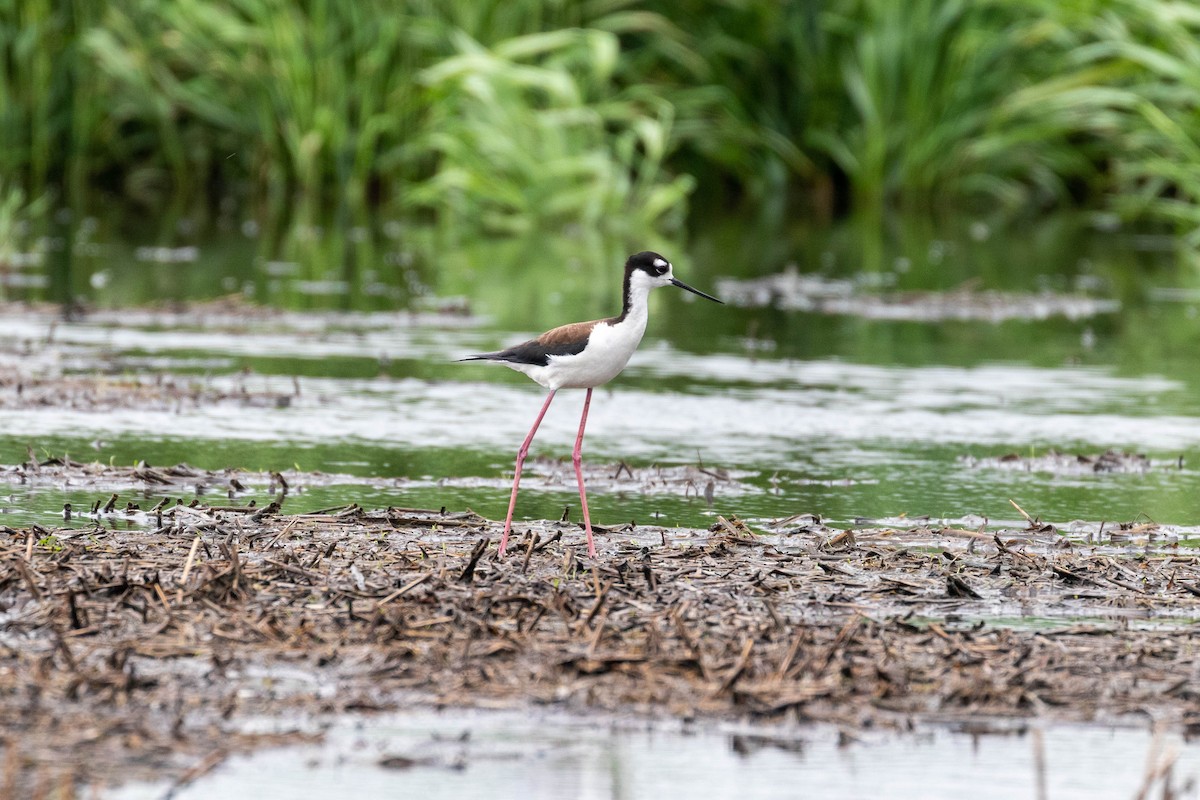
584	355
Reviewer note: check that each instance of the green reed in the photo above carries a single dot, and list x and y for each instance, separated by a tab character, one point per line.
494	118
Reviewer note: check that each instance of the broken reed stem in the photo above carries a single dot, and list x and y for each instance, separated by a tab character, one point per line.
1028	518
738	668
162	596
23	568
403	590
468	573
596	584
206	765
600	598
595	642
554	537
793	650
688	640
187	568
286	530
533	540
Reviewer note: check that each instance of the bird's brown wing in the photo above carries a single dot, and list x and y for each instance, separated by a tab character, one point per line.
565	340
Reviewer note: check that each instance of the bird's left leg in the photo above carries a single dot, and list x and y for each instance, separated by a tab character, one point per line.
577	460
524	451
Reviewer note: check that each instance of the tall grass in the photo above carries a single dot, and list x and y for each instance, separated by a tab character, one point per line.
321	105
47	110
496	118
1154	117
920	83
296	102
17	213
880	102
533	134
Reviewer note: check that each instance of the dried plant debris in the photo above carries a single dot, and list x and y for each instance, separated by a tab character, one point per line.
101	392
1057	463
126	653
1124	539
790	290
63	472
688	480
540	473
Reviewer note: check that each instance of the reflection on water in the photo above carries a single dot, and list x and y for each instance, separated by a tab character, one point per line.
463	754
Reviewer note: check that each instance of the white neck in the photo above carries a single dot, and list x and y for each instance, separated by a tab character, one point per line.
637	305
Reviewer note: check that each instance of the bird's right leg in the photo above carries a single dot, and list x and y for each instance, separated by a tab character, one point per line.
512	501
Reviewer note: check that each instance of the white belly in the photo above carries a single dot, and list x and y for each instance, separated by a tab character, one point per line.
608	351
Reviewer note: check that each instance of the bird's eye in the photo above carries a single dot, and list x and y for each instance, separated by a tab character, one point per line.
660	270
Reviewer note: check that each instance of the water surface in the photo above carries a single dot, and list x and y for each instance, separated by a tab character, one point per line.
456	755
842	415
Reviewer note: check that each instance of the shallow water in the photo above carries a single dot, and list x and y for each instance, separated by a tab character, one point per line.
842	415
456	755
840	439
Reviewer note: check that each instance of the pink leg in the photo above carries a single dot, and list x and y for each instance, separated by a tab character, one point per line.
577	460
512	501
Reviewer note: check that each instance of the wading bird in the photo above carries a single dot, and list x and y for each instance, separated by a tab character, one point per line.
584	355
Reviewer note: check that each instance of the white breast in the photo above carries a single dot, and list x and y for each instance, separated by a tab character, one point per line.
608	350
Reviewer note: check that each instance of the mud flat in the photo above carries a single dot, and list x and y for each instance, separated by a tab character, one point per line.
139	654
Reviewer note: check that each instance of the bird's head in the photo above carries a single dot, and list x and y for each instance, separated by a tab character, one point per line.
651	270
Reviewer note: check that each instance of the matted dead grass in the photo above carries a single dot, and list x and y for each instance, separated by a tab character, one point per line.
142	653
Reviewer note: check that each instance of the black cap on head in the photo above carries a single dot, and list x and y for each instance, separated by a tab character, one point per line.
648	261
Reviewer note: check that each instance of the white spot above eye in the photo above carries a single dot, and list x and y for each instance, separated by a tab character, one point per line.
659	262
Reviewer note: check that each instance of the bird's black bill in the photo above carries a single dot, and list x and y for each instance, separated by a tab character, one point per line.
683	285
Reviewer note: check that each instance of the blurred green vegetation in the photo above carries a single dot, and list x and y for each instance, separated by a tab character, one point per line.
489	118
